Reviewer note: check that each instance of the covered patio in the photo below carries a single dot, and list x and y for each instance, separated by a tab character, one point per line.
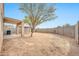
18	24
11	21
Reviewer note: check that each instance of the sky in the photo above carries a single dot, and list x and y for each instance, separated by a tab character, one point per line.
67	13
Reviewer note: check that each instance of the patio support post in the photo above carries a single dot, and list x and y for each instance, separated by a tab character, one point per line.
22	32
17	29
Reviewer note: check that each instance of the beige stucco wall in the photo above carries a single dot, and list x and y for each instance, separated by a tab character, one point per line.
1	25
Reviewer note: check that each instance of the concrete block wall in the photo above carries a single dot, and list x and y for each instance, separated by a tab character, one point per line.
70	31
66	30
77	33
46	30
62	30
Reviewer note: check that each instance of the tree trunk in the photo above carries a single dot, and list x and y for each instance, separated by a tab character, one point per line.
32	31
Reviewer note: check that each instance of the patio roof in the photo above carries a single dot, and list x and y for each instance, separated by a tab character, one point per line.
12	21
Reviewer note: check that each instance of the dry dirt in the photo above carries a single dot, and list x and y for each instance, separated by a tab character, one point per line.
41	44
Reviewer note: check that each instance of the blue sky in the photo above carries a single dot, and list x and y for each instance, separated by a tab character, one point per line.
68	13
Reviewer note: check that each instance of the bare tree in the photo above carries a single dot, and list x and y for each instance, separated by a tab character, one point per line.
37	13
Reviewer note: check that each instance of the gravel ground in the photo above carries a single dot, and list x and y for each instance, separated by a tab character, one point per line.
41	44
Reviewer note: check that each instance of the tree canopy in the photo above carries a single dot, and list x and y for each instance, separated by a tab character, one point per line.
38	13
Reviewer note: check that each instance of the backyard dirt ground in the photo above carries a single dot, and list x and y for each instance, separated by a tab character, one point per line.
41	44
